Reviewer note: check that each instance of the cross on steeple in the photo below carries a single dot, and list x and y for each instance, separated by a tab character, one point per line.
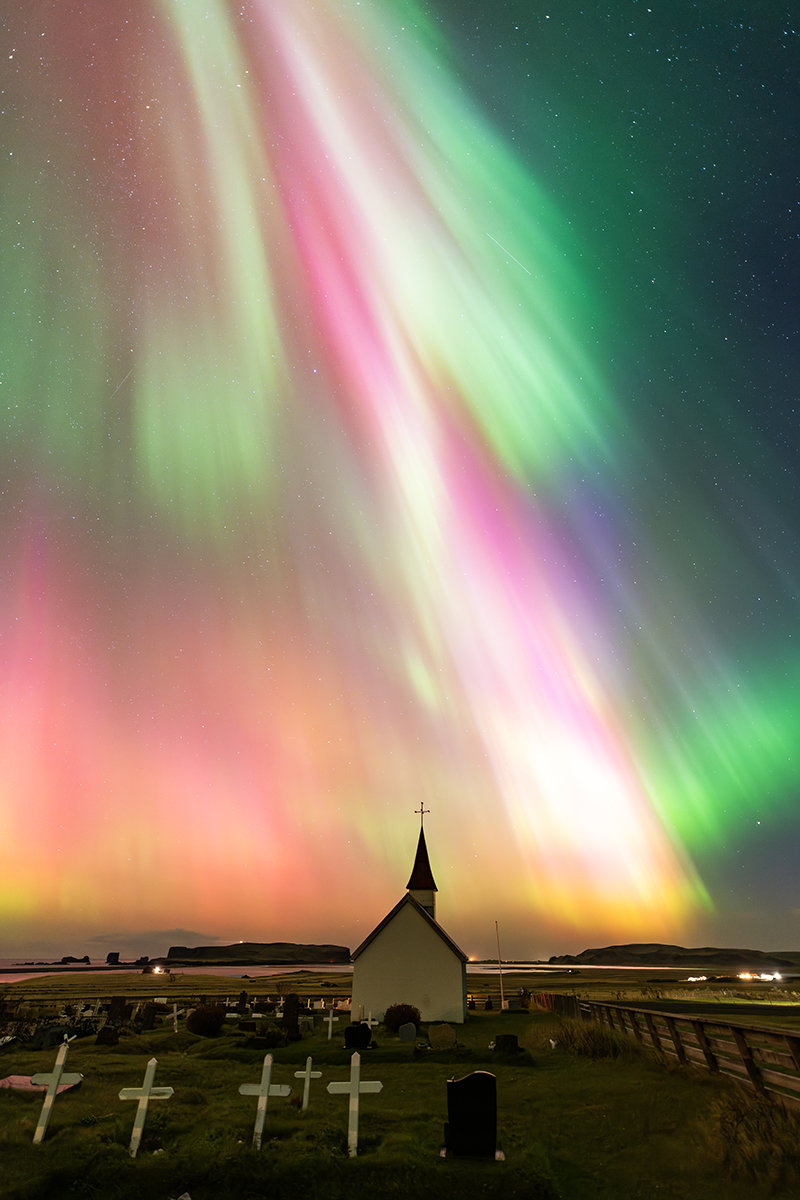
421	813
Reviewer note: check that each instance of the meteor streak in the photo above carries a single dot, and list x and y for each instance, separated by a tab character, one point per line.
508	252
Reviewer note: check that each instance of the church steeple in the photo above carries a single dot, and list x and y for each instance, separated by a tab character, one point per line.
421	885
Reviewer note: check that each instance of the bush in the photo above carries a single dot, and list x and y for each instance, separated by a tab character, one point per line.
400	1014
207	1020
755	1138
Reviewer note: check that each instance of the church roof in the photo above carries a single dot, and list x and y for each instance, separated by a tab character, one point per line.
435	926
421	874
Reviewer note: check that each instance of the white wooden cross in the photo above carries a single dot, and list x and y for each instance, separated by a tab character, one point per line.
330	1021
175	1018
263	1090
144	1095
354	1089
307	1075
369	1021
52	1083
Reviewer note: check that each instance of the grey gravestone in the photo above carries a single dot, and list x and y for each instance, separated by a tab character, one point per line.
357	1037
47	1036
407	1032
471	1129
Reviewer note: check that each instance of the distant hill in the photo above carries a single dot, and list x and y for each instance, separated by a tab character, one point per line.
651	954
257	954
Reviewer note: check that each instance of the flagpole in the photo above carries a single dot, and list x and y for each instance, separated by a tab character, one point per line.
499	966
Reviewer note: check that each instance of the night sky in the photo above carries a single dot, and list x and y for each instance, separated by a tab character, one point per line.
399	405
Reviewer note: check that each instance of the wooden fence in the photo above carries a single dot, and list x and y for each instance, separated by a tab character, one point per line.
768	1059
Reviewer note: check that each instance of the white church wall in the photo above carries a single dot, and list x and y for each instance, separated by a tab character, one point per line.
408	963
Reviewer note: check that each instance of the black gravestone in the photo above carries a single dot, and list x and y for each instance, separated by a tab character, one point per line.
290	1027
241	1006
116	1009
149	1016
357	1037
471	1129
506	1043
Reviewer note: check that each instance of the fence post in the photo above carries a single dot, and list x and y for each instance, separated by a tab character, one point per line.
747	1058
635	1025
794	1049
700	1034
651	1029
676	1040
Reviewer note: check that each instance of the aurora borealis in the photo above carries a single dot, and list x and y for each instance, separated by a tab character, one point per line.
398	405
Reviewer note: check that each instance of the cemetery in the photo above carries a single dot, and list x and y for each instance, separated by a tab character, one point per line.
248	1094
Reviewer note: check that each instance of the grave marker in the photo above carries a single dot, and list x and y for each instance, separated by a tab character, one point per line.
52	1082
506	1043
471	1129
354	1089
263	1090
357	1037
330	1021
144	1095
442	1037
307	1075
117	1009
290	1022
149	1016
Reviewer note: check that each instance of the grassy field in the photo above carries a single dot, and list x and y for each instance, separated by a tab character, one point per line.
578	1128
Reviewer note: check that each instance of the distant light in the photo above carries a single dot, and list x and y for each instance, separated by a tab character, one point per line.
697	979
157	970
766	976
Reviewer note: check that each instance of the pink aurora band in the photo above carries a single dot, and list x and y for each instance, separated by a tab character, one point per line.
284	555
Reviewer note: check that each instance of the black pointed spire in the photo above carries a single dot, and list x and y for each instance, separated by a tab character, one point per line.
421	874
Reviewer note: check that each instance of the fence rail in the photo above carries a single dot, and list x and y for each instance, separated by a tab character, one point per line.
767	1059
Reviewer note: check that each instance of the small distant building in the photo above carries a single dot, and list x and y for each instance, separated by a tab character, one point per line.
409	959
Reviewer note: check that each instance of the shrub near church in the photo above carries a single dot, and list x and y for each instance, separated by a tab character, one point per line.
401	1014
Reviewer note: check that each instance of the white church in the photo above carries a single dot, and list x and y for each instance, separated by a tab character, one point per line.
409	959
